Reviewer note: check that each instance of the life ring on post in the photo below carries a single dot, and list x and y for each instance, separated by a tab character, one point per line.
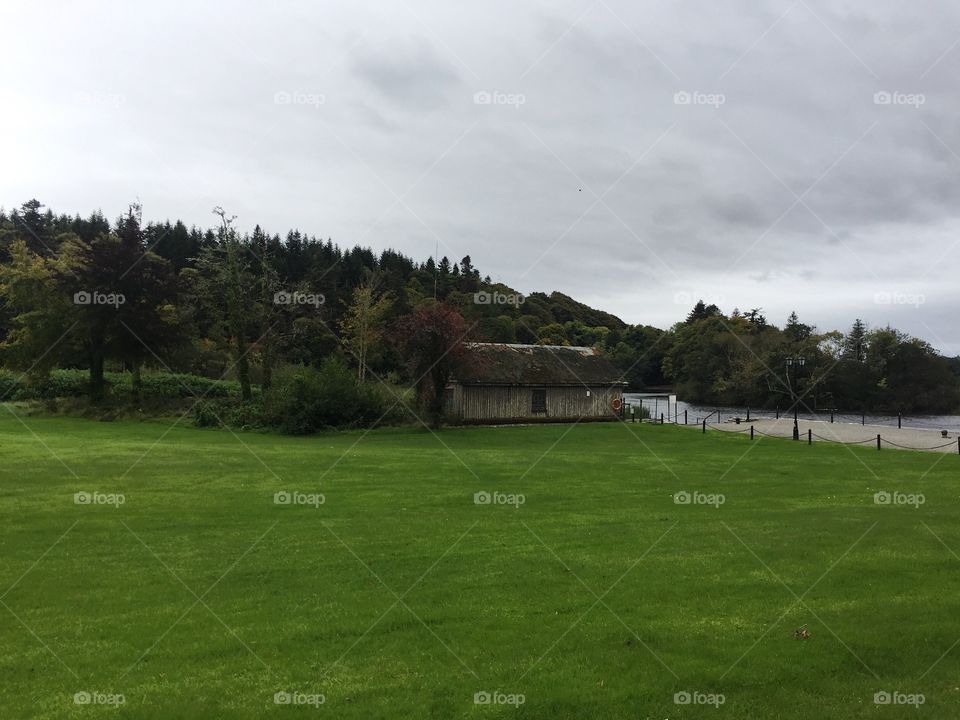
616	404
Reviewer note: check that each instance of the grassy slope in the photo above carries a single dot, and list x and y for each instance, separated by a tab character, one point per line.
481	592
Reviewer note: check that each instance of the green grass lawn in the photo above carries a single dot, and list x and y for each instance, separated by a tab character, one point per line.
399	597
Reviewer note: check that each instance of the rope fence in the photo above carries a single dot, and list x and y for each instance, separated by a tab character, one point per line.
833	417
879	440
855	442
906	447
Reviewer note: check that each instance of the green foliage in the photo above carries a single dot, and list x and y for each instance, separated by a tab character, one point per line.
75	383
304	400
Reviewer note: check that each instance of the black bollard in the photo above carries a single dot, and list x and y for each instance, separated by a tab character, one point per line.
899	420
661	418
878	441
778	412
751	433
704	426
684	417
748	414
809	436
831	416
863	419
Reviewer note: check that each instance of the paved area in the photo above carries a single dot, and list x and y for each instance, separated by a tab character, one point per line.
891	437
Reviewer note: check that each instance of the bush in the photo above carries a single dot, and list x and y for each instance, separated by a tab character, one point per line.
229	412
75	383
59	383
303	400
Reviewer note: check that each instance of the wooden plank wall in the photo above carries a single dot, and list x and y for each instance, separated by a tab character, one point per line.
496	402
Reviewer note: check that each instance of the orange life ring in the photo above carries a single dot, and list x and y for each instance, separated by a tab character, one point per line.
616	403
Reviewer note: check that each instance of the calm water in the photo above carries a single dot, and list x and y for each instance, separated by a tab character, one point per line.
696	413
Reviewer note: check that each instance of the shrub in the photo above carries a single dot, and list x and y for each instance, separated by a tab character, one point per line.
62	383
303	399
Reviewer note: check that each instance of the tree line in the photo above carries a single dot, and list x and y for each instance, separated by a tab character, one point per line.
125	295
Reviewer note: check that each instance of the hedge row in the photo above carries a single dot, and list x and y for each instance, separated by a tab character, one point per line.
75	383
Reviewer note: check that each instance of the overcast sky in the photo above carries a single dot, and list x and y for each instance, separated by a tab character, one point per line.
636	156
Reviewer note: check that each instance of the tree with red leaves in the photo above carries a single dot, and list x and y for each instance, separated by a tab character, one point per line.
432	341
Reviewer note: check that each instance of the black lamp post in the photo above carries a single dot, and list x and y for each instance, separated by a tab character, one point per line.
792	364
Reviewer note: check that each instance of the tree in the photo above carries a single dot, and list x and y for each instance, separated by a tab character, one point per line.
432	342
147	316
362	326
796	330
29	290
122	298
855	344
233	274
702	311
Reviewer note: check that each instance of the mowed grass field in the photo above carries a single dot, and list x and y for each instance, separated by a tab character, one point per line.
400	597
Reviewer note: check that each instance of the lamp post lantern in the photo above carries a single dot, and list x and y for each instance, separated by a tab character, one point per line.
792	363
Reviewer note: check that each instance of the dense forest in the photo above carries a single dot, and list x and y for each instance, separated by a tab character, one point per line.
118	300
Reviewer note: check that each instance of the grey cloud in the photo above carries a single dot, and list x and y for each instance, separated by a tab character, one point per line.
699	214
